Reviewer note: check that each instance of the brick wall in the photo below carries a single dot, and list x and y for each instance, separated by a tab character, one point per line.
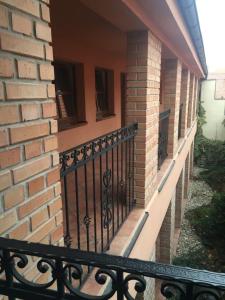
191	100
195	99
30	201
184	96
191	159
166	234
142	106
172	85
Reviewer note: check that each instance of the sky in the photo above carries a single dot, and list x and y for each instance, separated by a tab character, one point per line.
212	22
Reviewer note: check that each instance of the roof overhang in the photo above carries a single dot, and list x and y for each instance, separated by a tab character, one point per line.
164	18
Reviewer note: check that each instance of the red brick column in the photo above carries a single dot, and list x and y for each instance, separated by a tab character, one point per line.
195	99
143	82
191	159
172	85
166	234
191	100
184	98
29	177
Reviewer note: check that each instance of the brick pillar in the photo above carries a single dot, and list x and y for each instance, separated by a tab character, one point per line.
186	176
166	234
142	106
29	177
179	205
191	159
184	96
172	86
191	100
195	99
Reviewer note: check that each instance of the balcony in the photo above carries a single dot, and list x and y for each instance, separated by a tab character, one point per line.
98	189
163	136
118	277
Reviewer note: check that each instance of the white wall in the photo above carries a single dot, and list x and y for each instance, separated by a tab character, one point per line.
215	111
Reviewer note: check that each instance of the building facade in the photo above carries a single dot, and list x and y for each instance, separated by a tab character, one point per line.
98	119
212	100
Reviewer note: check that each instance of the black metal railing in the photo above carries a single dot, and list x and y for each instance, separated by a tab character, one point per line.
112	276
180	121
98	189
163	136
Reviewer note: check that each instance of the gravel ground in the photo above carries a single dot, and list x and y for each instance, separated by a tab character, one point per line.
200	194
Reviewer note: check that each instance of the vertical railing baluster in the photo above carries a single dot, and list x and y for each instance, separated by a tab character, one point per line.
120	286
77	209
101	207
59	274
117	180
67	238
121	180
113	229
133	198
8	272
189	292
94	198
129	175
126	180
87	217
107	199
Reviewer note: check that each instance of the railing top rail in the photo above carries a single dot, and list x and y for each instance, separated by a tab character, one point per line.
164	114
129	265
131	126
81	154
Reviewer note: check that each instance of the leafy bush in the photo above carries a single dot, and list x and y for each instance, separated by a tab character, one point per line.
214	162
197	259
209	154
209	224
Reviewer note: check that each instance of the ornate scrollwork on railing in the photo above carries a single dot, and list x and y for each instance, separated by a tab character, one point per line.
173	290
20	261
107	198
81	154
140	285
115	276
207	294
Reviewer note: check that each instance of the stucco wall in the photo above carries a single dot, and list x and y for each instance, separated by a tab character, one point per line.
215	111
79	35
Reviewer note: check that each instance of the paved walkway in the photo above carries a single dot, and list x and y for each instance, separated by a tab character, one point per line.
200	194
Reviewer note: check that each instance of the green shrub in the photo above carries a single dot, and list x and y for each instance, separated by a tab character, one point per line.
209	154
209	224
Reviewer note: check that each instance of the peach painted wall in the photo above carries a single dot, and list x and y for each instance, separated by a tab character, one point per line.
79	35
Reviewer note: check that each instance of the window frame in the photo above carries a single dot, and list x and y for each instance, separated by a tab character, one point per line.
78	96
109	94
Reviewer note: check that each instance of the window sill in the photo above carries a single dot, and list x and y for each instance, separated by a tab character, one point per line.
105	117
71	126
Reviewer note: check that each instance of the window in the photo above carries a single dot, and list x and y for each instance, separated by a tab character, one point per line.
69	93
220	89
104	85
